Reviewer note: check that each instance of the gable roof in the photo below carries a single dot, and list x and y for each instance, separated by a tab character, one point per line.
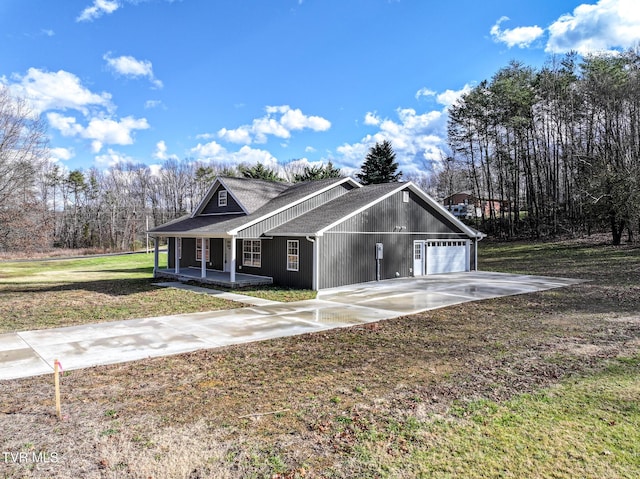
319	220
249	193
316	221
230	224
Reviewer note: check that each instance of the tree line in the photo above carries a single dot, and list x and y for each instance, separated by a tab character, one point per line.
557	148
43	205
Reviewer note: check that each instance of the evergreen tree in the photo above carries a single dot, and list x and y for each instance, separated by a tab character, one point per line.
258	172
321	172
380	165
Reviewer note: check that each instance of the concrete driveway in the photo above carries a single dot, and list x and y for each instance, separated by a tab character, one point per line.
31	353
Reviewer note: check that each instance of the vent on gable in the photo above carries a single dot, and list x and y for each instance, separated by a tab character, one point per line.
222	198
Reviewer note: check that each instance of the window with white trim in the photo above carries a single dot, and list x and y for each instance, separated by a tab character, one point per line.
222	198
405	197
252	253
293	255
199	249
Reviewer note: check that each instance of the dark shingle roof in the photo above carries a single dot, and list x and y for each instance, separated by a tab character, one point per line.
200	225
221	224
321	217
253	194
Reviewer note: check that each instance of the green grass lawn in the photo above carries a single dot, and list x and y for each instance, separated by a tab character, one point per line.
63	292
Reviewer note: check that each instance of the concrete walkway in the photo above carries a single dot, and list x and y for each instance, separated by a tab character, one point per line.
31	353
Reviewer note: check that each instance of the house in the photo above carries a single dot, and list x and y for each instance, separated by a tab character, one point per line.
314	235
464	204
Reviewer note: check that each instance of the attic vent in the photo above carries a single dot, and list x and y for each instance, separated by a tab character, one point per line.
222	198
405	197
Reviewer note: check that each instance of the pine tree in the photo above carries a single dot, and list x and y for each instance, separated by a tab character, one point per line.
380	165
258	172
321	172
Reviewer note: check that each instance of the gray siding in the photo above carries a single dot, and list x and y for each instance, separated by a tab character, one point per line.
274	263
212	205
392	212
347	251
350	258
258	229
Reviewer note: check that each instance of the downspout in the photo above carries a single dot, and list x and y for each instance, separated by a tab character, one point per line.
314	272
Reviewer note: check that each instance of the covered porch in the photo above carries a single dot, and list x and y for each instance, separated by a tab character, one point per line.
214	277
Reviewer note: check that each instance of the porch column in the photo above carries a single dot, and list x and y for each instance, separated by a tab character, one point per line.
155	256
203	265
176	256
232	265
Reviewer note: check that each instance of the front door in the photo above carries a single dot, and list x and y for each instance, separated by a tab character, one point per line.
418	258
227	255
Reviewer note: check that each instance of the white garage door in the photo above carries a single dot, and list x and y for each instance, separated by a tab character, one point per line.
446	256
440	256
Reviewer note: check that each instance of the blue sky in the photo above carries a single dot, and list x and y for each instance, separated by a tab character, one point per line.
232	81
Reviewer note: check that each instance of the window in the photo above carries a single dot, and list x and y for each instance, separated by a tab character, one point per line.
251	253
222	198
199	250
293	255
405	197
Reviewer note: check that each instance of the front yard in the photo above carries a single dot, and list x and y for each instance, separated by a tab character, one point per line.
538	385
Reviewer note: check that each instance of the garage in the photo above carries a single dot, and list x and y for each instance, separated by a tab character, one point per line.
440	256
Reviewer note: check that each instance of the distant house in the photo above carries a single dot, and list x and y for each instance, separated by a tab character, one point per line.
314	235
464	204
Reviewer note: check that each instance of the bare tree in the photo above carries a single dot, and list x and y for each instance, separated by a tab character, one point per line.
23	150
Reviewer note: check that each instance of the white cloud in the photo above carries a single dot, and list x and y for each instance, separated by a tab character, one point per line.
279	121
161	152
593	28
449	97
100	130
59	90
424	92
129	66
113	158
153	104
214	152
66	125
417	139
208	151
310	149
61	154
519	36
371	119
239	135
108	131
296	120
97	9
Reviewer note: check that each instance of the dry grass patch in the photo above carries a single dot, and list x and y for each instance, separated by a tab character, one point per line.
511	386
